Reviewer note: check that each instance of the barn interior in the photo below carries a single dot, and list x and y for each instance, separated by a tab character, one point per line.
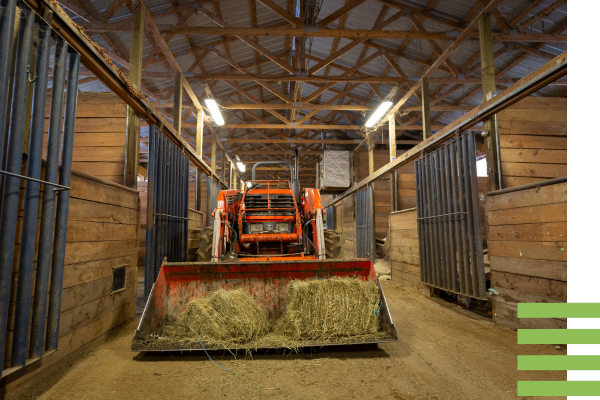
434	133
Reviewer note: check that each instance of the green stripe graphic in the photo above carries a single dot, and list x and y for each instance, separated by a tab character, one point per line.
558	336
558	388
558	310
558	363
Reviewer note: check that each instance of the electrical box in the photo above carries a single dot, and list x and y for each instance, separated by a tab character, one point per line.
334	170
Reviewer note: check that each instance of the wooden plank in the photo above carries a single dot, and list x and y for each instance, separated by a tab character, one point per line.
539	156
509	313
512	181
404	234
407	250
99	168
404	267
550	232
529	215
514	297
538	286
407	216
542	128
511	114
95	125
86	231
99	154
533	142
96	139
554	251
404	225
82	252
540	103
405	258
79	273
526	169
556	270
85	210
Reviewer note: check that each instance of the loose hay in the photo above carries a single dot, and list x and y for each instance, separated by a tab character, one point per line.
322	309
319	311
226	317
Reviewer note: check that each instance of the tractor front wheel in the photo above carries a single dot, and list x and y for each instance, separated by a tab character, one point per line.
206	241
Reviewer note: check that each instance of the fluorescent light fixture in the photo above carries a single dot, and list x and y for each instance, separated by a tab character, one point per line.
214	111
378	113
241	166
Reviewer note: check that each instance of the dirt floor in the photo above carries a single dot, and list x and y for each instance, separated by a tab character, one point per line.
443	352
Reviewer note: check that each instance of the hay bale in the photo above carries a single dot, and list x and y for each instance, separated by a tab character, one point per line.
322	309
226	317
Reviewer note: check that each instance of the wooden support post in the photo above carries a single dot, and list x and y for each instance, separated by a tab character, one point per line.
317	175
223	161
393	190
230	175
132	135
371	147
489	88
234	178
213	152
199	135
425	106
177	102
355	165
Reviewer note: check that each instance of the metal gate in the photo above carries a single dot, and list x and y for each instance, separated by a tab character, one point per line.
365	236
212	194
449	226
167	215
330	218
35	327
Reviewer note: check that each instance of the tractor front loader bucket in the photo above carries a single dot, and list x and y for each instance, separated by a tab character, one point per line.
179	283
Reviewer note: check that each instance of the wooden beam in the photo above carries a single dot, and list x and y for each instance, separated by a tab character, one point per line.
301	106
340	13
132	133
229	30
282	126
178	102
425	108
488	75
540	15
392	142
283	13
449	50
292	141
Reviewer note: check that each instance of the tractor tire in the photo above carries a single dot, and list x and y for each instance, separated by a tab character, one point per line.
333	243
205	249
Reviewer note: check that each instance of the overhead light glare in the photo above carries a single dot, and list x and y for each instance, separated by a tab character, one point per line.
241	166
214	111
378	113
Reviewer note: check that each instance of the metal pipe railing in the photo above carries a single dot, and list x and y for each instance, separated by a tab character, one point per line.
150	228
14	157
272	163
62	211
32	195
7	26
40	301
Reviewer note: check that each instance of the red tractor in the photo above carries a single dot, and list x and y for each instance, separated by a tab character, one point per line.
265	220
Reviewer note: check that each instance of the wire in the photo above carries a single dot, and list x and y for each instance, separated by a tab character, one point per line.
208	355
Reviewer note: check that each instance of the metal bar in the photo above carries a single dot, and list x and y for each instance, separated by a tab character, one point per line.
42	277
182	199
7	26
463	220
149	260
468	201
169	198
458	232
186	207
441	237
451	221
158	220
60	236
428	245
28	178
429	210
478	255
422	262
31	201
445	218
10	203
442	215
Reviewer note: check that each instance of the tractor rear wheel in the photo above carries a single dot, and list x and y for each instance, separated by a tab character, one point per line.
333	243
205	249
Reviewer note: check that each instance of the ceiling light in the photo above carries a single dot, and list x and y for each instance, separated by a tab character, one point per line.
241	166
378	113
214	111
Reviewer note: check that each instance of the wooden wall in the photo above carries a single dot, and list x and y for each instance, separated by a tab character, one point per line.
528	252
99	147
102	232
533	140
348	228
404	248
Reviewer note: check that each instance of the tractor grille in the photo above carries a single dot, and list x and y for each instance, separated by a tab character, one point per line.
254	201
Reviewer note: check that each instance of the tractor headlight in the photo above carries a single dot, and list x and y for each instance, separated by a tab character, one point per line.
256	228
283	227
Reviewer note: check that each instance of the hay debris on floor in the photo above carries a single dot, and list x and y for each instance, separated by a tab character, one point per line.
321	309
